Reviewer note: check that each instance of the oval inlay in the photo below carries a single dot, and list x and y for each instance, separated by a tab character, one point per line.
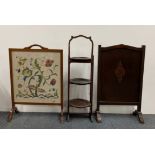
120	72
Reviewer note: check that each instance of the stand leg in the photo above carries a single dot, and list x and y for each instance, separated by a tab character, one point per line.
91	117
67	117
140	116
16	111
91	114
61	116
98	117
135	113
11	113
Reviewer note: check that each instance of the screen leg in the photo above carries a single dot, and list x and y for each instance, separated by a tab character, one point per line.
98	115
11	113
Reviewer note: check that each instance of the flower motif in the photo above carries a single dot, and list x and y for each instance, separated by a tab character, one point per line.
27	72
19	85
53	82
49	63
22	61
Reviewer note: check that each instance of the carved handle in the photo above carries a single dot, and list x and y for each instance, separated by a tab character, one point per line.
29	47
74	37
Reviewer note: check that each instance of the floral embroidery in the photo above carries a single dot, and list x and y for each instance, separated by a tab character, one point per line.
53	82
27	72
49	63
19	85
36	78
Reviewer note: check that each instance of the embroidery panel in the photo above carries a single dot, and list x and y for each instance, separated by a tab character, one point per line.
36	77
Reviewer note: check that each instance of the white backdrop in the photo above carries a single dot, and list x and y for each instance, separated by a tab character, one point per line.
58	37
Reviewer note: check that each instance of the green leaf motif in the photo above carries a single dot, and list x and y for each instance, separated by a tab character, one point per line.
27	72
56	93
40	80
36	64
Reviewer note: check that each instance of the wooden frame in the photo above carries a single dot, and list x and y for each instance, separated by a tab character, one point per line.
36	77
120	81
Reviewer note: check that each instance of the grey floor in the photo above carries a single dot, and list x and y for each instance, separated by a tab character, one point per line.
51	121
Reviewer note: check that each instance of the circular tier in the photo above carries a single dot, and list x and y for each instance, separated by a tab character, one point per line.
79	103
80	59
80	81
